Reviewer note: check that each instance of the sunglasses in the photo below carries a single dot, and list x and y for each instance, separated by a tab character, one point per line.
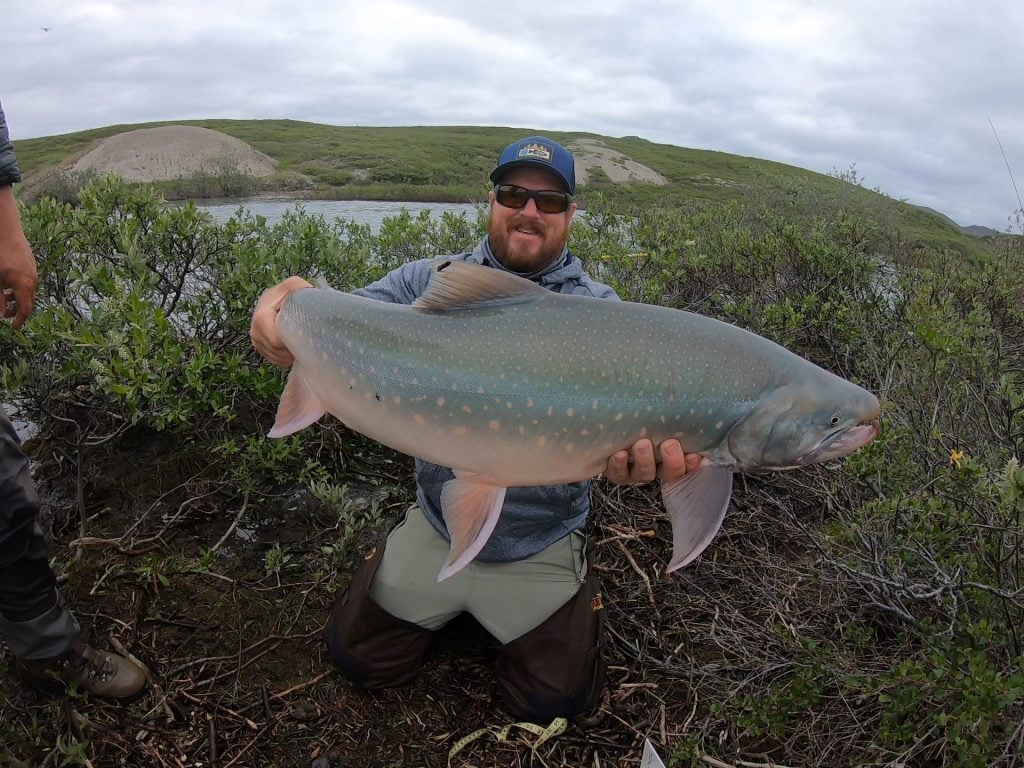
547	200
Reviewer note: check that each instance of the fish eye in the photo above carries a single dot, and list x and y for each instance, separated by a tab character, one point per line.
835	419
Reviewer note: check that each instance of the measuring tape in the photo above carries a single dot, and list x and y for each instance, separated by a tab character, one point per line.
557	727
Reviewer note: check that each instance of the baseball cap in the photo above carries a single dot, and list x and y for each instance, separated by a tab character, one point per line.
539	152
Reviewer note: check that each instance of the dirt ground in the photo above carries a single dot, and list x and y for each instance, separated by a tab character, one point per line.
172	152
224	595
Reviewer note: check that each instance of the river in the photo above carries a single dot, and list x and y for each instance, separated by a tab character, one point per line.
371	212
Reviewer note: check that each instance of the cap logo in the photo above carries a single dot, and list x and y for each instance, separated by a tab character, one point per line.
534	151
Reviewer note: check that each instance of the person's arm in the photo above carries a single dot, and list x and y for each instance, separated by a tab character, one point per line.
18	275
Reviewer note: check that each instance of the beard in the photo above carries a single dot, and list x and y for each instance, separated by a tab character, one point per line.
524	256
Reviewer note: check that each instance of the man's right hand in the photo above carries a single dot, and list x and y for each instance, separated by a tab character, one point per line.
263	329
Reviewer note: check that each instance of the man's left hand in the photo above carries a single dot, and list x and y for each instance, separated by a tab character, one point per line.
639	465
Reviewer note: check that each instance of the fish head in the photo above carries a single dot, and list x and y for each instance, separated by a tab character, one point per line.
805	423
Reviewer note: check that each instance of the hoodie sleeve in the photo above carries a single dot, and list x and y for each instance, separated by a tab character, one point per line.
9	171
588	287
402	285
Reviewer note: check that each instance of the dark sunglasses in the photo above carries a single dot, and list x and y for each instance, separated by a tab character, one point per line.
547	200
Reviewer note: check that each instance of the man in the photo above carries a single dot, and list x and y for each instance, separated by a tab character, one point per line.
530	586
40	631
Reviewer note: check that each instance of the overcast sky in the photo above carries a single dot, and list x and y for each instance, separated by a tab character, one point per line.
905	91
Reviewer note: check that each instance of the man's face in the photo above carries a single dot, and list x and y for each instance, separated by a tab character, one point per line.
524	239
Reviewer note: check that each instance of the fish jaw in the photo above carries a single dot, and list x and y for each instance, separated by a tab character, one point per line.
843	443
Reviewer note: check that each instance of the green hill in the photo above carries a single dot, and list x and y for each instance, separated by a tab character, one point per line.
452	164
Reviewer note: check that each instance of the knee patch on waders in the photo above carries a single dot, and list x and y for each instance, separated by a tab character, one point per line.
557	669
371	647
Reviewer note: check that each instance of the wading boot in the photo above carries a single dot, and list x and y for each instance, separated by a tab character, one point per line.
100	673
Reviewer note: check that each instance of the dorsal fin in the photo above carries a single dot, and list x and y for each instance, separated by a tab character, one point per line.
461	285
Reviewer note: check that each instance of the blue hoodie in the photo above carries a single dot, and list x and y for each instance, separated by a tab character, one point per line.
532	517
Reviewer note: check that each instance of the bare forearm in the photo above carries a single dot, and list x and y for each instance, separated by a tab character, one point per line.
18	275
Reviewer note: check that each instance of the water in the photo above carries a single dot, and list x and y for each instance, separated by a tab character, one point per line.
371	212
24	428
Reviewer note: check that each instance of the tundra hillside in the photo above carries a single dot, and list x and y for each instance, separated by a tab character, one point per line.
437	164
866	612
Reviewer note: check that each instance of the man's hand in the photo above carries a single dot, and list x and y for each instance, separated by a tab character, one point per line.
263	329
18	275
638	465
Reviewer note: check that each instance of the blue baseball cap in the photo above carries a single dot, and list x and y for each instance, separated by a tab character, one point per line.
538	152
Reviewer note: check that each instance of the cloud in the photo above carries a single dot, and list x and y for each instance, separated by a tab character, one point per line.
903	90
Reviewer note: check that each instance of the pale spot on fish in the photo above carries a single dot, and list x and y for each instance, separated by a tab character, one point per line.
719	425
594	405
462	431
419	419
529	402
480	390
618	417
467	409
398	399
569	448
570	413
551	410
508	405
541	441
494	424
440	402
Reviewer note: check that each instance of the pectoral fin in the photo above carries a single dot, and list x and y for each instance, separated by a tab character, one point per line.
696	506
471	510
299	406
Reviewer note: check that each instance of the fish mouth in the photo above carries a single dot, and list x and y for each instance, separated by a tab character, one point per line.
842	442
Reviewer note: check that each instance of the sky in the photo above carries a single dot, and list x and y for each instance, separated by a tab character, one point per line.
921	99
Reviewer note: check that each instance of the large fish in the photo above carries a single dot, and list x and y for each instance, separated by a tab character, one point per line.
510	384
